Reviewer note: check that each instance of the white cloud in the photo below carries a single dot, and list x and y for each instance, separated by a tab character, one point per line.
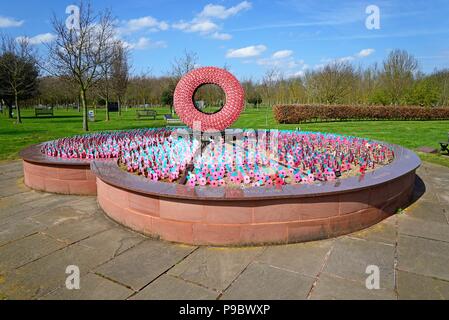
297	74
6	22
148	23
221	36
204	22
145	43
360	55
221	12
365	53
281	54
246	52
204	27
345	59
39	39
282	59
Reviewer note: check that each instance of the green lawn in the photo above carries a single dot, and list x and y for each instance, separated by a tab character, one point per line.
411	134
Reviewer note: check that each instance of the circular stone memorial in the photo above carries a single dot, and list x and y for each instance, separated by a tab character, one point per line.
233	187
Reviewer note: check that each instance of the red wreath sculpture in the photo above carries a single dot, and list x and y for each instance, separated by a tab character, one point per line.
188	113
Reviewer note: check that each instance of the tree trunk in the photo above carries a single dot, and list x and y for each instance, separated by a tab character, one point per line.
119	102
16	101
84	106
107	109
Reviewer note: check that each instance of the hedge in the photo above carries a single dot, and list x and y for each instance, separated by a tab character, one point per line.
303	113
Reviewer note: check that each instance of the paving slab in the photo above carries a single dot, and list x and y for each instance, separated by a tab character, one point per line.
115	240
263	282
215	268
14	170
443	198
23	251
417	287
145	262
12	186
350	258
304	258
8	166
18	202
427	211
423	256
72	230
92	287
329	287
52	201
383	232
87	204
168	287
59	215
43	276
16	230
423	228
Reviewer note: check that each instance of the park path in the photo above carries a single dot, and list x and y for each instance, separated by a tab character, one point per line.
41	234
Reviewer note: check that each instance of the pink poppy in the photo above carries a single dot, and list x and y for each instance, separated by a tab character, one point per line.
202	181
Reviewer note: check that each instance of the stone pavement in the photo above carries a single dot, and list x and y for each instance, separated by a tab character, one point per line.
41	234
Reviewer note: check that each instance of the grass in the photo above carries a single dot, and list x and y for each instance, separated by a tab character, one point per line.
410	134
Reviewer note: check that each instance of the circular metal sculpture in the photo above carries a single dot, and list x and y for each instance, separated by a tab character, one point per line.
191	116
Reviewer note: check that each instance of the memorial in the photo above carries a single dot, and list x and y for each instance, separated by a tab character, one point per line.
210	185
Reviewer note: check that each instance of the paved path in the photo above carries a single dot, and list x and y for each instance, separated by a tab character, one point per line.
41	234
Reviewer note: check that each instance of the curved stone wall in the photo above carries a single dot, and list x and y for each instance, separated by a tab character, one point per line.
57	175
224	216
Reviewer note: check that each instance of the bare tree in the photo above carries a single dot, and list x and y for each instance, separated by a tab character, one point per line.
120	72
332	83
180	66
104	85
398	72
80	53
18	72
184	64
269	80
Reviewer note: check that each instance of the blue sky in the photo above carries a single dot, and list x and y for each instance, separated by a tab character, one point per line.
255	35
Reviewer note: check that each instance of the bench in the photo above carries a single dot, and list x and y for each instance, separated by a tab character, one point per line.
43	112
445	145
146	114
171	121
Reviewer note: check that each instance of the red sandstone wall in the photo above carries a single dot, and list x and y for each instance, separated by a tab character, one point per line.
254	221
77	180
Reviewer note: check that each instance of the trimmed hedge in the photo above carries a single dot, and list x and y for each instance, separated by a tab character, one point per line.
302	113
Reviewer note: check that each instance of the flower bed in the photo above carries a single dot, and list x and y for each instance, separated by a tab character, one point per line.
262	158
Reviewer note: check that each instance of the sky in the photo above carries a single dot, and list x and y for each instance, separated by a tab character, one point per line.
254	36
